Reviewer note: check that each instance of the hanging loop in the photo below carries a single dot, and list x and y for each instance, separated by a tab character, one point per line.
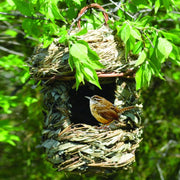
93	5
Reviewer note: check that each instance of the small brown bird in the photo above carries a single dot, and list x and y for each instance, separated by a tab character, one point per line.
104	111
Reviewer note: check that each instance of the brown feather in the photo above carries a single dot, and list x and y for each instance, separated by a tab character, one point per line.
109	115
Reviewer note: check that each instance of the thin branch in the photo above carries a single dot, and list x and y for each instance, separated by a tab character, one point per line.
160	171
147	38
10	42
144	11
75	21
119	7
11	51
127	74
9	26
96	15
109	13
24	16
108	4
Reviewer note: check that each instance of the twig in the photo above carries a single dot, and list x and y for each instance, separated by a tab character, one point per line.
21	15
160	171
128	74
108	4
147	38
119	7
97	16
109	13
75	21
145	11
10	42
11	51
9	26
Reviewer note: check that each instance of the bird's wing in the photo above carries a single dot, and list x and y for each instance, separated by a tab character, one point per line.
109	114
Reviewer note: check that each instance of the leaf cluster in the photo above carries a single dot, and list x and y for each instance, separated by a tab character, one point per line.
153	45
85	61
141	27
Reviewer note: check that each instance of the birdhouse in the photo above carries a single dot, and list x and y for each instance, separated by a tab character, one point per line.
72	138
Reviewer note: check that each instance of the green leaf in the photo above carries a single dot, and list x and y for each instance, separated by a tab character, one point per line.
25	76
51	11
90	74
132	42
79	51
172	36
144	75
148	73
71	62
25	7
175	54
79	75
137	47
5	133
85	61
6	102
71	3
136	34
164	47
29	100
127	48
47	41
145	20
157	5
77	2
125	32
141	58
93	57
82	32
11	32
139	78
166	3
156	69
56	13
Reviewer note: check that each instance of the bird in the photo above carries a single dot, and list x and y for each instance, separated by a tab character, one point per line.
104	111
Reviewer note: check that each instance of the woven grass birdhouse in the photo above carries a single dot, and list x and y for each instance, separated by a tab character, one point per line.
72	138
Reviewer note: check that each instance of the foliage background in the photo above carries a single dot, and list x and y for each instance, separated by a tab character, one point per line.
20	100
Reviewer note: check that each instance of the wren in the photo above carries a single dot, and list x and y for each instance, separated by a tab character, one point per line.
104	111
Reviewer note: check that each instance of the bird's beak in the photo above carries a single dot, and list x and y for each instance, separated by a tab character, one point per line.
87	97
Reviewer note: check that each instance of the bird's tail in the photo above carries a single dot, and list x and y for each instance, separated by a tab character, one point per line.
120	111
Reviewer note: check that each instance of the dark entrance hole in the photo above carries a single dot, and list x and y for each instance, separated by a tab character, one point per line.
80	112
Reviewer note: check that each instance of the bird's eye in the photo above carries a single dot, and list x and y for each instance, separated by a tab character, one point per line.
96	98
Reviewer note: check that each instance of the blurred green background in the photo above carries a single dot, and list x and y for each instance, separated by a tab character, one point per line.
22	119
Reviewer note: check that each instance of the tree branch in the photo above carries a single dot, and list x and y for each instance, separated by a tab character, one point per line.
11	51
24	16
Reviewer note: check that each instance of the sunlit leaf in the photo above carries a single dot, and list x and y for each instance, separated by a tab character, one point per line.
29	100
85	61
125	32
139	78
157	5
79	51
164	46
82	32
136	34
127	48
141	58
137	47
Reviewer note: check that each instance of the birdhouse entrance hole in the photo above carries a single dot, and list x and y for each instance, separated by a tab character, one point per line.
80	112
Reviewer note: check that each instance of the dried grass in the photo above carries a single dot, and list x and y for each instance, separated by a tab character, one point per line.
54	59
